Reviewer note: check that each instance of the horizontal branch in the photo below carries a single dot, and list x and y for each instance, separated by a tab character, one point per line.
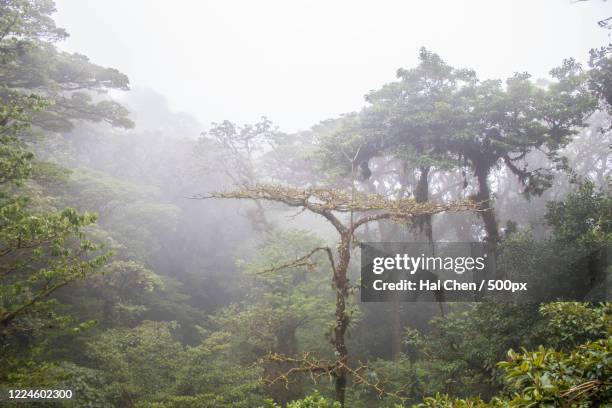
324	201
305	364
426	208
303	261
315	369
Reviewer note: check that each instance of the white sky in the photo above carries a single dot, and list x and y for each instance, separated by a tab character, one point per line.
299	62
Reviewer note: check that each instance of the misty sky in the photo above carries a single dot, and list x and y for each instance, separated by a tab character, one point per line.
299	62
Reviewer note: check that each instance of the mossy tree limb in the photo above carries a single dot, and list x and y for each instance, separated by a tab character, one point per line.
331	204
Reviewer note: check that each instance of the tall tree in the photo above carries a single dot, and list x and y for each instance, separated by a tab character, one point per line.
42	248
439	116
329	203
30	63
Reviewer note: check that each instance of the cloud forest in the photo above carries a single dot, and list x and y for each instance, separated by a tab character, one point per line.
152	257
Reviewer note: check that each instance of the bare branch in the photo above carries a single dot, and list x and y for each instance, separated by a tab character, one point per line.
303	261
324	201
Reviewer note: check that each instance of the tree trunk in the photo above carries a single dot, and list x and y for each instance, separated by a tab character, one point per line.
342	317
421	195
422	232
484	197
260	221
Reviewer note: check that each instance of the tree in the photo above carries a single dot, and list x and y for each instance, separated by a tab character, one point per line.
30	63
437	115
150	349
147	366
41	251
42	248
328	203
545	377
237	151
285	313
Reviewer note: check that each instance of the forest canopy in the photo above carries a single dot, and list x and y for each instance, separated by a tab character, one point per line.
147	260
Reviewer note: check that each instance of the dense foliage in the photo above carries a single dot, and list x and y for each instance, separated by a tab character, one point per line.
118	283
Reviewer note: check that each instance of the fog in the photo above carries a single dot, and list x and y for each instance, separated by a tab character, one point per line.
299	62
194	195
